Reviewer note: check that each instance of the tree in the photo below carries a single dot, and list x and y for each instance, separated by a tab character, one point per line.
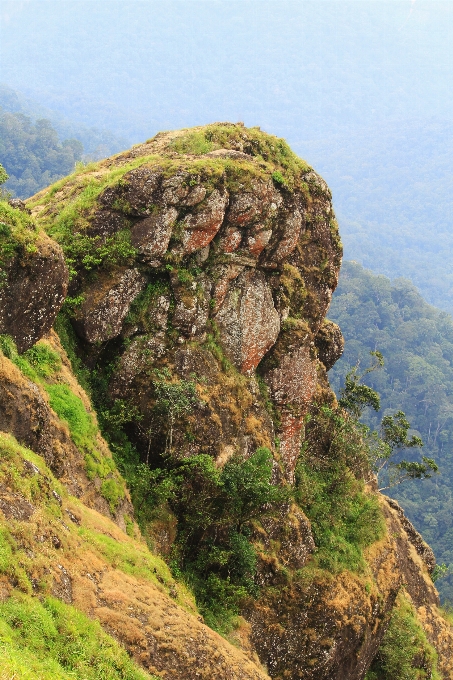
3	174
355	396
173	398
393	438
393	432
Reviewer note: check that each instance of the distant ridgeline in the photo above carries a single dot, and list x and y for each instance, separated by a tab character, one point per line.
416	340
36	151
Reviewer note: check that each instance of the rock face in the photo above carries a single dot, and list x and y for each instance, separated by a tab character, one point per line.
217	270
32	292
234	253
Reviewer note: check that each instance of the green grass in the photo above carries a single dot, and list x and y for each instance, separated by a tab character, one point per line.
84	431
344	519
18	232
40	363
71	409
284	166
129	558
50	640
405	653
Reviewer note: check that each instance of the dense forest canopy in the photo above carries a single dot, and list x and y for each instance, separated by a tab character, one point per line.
32	153
416	340
37	146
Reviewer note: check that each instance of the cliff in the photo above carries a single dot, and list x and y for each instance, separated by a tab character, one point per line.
201	265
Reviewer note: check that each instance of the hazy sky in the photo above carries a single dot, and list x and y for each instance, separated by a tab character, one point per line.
361	89
137	66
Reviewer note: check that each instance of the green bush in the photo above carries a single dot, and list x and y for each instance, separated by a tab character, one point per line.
405	653
329	489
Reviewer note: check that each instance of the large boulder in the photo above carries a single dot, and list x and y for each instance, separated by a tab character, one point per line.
33	278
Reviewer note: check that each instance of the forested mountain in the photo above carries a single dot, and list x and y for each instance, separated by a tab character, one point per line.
97	142
416	340
392	187
36	151
32	154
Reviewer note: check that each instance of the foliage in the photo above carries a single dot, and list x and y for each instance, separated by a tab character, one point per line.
3	174
32	153
405	652
88	252
417	342
214	509
392	436
330	490
355	396
174	398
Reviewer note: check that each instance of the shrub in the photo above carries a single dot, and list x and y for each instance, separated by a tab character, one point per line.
330	490
405	652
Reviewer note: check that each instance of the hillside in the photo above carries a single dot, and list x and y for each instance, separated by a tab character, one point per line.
416	340
187	281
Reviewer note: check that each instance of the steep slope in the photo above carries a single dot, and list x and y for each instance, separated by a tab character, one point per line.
202	264
416	340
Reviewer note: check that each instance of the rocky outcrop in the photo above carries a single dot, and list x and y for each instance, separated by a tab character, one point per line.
216	271
32	290
235	253
106	305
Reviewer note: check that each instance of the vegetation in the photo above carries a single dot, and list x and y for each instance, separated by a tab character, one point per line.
42	364
32	153
51	640
417	342
392	437
330	490
213	509
405	652
3	174
18	234
212	552
41	637
266	148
